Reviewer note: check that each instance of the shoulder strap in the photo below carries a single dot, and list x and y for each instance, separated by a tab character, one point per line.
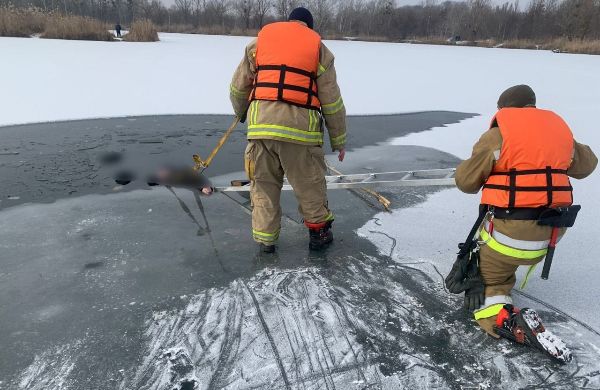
467	245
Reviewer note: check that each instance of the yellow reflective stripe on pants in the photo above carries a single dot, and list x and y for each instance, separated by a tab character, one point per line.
283	132
332	108
265	237
492	306
329	217
525	245
509	251
527	275
489	311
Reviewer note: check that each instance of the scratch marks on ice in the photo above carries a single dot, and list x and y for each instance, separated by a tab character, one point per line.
364	323
278	330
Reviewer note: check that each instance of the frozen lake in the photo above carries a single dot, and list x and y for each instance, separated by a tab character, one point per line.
145	288
136	288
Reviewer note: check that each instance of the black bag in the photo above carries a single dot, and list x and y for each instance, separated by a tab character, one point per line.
465	270
560	217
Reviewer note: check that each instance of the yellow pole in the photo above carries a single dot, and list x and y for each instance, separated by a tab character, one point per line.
380	198
200	164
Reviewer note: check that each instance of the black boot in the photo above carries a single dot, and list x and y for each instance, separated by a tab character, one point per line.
320	235
264	248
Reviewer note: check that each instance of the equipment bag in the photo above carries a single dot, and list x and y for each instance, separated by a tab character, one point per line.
560	217
465	271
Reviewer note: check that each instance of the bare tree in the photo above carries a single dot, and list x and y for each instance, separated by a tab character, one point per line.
323	13
215	12
284	7
244	9
199	7
471	19
578	17
261	9
185	8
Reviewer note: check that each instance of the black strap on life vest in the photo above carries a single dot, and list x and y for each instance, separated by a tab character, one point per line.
513	188
281	86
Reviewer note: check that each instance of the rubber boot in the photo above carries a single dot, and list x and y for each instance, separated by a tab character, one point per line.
320	235
264	248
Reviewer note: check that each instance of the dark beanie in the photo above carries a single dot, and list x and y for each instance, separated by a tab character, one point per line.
518	96
303	15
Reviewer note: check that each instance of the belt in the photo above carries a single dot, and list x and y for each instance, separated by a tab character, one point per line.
519	213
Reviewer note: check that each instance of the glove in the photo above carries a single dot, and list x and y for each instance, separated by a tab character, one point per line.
475	297
474	294
456	278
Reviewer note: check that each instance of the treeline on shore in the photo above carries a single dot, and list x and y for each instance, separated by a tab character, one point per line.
562	25
29	22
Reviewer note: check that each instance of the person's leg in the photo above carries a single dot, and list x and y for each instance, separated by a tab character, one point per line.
498	274
266	175
305	169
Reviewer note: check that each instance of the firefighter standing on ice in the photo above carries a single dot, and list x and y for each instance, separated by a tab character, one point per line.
287	84
523	162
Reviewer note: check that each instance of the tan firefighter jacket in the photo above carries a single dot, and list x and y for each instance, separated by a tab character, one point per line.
284	122
472	173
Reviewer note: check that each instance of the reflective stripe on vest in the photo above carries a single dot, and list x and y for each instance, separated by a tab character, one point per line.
531	171
287	64
492	306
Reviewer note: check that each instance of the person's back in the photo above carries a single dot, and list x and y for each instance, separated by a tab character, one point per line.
523	164
286	84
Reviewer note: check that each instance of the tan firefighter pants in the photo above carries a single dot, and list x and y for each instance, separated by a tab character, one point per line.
266	163
498	274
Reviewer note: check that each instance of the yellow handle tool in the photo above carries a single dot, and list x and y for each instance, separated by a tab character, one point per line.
380	198
201	165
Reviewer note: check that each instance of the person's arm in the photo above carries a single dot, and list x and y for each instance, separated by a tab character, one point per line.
332	105
472	173
241	83
584	161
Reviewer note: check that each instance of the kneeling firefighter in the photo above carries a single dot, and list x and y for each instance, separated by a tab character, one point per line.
523	163
287	84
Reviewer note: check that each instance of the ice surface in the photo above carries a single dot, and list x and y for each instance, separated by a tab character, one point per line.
358	319
46	80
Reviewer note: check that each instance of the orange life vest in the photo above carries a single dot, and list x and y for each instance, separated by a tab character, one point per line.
287	61
537	149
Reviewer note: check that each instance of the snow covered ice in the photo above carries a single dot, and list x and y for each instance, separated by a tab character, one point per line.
369	319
